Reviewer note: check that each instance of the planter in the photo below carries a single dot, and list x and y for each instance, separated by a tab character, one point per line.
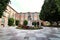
29	28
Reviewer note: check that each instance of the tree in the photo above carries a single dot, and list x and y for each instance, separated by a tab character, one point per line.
10	21
3	4
58	4
50	12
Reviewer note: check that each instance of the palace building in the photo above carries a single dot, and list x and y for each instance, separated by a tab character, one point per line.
8	13
32	16
11	13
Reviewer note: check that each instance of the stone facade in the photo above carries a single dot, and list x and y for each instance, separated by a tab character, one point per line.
8	13
33	16
11	13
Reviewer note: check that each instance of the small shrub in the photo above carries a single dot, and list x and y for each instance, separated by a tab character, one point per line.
25	22
37	23
34	23
10	21
17	22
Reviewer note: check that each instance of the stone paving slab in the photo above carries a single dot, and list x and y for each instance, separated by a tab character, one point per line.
17	34
32	38
40	35
54	38
58	35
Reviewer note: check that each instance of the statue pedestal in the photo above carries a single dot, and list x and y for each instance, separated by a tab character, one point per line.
29	23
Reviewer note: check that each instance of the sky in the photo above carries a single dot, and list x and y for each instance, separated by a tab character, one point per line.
27	5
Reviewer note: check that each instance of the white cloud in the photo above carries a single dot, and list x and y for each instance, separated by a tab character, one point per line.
27	5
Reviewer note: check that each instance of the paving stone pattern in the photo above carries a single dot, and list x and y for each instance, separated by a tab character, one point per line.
47	33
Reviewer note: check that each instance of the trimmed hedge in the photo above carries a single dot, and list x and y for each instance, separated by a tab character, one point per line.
34	23
17	22
10	21
25	22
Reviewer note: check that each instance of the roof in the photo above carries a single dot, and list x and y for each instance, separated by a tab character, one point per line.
12	9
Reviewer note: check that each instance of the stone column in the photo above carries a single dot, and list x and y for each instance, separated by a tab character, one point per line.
5	21
39	23
33	16
0	21
14	18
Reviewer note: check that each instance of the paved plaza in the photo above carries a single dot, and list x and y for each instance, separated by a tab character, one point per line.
47	33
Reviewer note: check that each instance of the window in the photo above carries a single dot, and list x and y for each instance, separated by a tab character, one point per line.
29	16
3	20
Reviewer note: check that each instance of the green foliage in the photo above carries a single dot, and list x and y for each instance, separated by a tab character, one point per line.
3	4
10	21
49	11
17	22
25	22
58	4
34	23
